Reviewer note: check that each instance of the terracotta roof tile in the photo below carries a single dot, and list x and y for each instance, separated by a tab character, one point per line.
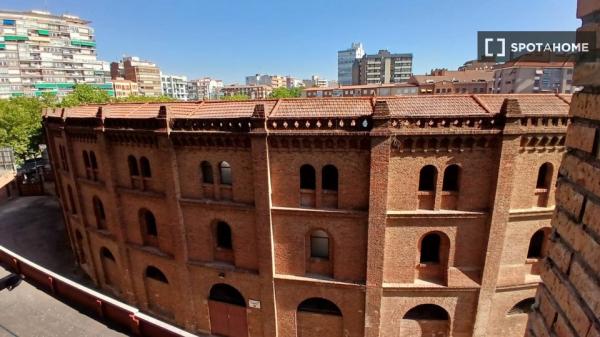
531	104
451	105
323	107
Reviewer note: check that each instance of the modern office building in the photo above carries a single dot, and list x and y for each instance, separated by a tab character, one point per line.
252	91
174	86
124	88
204	88
387	216
145	73
367	90
382	68
526	76
346	59
444	81
41	52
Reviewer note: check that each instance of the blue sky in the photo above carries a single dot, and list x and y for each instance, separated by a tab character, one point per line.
231	39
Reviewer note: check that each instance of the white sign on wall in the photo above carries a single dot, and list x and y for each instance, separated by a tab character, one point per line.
254	304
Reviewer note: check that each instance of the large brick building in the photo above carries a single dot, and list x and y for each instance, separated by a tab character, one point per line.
407	216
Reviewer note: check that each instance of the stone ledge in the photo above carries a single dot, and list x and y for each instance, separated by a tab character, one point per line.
320	281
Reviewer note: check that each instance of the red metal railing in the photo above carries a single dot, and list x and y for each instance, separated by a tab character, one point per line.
94	303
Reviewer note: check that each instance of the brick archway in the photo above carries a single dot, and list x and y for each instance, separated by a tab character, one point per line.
227	311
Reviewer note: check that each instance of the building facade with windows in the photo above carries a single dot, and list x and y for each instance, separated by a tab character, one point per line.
204	88
382	68
384	216
367	90
444	81
534	77
41	52
251	91
174	86
346	59
145	73
124	88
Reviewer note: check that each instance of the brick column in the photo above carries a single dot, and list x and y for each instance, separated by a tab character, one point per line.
378	186
263	220
498	218
568	302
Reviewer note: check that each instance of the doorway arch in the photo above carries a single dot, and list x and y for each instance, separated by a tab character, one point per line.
227	311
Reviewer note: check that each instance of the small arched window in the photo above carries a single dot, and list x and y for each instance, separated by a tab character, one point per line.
105	253
430	248
523	307
148	222
86	160
133	166
330	178
207	172
544	177
224	235
307	177
71	200
225	172
427	178
145	167
429	312
451	178
319	306
536	245
319	244
93	161
155	274
99	213
227	294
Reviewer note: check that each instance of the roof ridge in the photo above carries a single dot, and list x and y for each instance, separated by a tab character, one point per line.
480	102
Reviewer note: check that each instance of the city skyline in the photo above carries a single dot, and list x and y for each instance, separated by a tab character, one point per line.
187	42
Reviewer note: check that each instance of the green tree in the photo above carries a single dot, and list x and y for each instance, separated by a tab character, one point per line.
85	94
236	97
285	92
21	126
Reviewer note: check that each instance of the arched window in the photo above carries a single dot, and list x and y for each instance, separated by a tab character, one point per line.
429	312
207	172
155	274
224	235
330	178
319	306
451	178
227	294
225	172
536	244
430	248
307	177
145	167
86	161
133	166
105	253
544	177
148	222
79	239
319	244
427	178
99	213
93	161
71	200
523	307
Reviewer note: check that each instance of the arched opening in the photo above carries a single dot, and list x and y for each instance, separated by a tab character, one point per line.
109	267
148	227
133	166
225	173
433	250
145	167
544	178
80	248
451	178
158	291
330	178
99	214
71	200
86	164
227	311
319	317
536	245
94	165
308	180
427	185
207	173
522	307
425	320
224	235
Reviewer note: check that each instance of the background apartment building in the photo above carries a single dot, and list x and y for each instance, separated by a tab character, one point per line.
346	59
532	76
275	81
124	88
41	52
444	81
145	73
174	86
252	91
204	88
382	68
366	90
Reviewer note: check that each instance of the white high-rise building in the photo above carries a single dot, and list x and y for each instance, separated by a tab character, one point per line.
174	86
346	60
41	52
204	88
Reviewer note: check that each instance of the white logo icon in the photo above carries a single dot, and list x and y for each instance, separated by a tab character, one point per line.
487	47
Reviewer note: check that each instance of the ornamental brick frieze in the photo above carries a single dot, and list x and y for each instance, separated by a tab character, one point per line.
321	124
318	143
229	125
543	143
132	139
442	144
210	141
475	123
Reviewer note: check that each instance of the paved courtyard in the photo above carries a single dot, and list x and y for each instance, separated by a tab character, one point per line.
33	227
